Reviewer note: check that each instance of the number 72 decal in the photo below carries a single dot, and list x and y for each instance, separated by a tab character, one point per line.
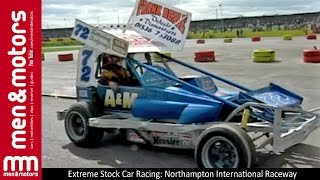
82	31
85	70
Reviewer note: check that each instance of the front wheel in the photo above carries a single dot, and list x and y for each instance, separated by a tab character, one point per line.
77	125
224	146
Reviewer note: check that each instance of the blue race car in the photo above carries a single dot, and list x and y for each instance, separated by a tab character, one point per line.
188	112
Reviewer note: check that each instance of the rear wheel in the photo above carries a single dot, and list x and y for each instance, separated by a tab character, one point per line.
224	146
77	125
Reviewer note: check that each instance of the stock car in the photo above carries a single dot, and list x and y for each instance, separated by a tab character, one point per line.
188	112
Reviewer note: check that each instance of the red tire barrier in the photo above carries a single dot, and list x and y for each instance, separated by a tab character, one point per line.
311	56
256	38
65	57
201	41
312	37
204	56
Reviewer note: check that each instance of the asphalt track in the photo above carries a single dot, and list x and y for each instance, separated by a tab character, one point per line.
234	63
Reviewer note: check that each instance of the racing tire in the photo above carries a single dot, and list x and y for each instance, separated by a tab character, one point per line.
225	137
77	125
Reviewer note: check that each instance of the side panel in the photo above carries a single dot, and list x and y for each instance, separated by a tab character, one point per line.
85	94
122	100
185	140
168	104
86	67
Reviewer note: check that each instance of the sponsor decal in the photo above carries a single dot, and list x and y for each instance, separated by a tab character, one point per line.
166	140
125	99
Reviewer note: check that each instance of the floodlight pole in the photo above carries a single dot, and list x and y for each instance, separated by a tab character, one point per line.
216	13
222	24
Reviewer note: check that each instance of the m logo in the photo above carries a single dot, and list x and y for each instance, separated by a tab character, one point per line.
21	160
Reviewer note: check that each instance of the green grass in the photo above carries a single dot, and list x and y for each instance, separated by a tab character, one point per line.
54	42
57	49
59	42
246	33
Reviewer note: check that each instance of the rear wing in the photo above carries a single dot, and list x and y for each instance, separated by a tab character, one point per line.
98	39
114	40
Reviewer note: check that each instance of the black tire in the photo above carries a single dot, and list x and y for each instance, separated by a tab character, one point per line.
232	139
78	115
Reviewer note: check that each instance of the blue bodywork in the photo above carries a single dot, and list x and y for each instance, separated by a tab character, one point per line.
162	95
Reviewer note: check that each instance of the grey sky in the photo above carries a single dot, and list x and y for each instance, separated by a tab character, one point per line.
62	13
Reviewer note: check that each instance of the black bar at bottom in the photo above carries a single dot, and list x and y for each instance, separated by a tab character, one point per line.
154	173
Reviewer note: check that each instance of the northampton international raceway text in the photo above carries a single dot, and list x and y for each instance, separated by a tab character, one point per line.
180	174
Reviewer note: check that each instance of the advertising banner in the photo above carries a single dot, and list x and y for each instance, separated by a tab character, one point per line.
161	22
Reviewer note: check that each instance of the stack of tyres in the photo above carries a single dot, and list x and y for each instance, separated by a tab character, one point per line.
227	40
287	37
201	41
264	55
312	37
204	56
311	56
65	57
256	38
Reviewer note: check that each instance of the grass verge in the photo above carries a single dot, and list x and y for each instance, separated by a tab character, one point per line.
57	49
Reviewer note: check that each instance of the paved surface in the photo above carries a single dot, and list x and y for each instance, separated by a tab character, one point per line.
234	62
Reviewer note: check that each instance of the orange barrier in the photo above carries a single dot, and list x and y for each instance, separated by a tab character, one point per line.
65	57
311	56
311	37
256	38
204	56
201	41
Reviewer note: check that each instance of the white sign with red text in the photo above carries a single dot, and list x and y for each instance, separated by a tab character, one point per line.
158	21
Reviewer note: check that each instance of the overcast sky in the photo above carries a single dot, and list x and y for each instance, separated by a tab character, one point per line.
62	13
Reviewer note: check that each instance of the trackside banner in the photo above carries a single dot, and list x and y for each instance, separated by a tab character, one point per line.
20	89
161	22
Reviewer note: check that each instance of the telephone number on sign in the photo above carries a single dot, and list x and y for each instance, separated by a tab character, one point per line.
163	36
